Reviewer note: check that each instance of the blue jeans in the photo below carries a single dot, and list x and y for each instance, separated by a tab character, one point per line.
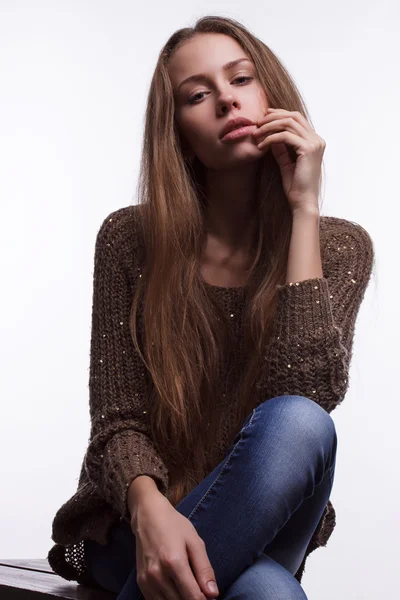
256	511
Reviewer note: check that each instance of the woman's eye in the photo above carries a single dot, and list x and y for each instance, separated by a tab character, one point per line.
193	98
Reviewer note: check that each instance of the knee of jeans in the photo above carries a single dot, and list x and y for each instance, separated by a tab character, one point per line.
304	415
265	579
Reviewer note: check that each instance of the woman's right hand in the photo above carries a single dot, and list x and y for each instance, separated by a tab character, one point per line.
165	543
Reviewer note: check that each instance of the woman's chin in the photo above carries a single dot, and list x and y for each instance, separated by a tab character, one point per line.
245	155
231	155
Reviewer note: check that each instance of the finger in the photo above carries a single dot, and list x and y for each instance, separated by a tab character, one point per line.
202	567
284	136
277	124
185	581
155	584
295	114
161	589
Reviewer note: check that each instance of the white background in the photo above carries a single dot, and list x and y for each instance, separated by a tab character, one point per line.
74	80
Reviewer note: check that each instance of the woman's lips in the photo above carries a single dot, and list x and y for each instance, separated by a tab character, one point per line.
238	133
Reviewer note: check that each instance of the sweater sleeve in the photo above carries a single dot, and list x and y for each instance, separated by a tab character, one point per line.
310	350
120	447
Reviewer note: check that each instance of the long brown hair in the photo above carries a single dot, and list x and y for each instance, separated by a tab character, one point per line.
186	335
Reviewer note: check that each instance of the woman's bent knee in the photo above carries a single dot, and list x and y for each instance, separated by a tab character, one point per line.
302	415
265	579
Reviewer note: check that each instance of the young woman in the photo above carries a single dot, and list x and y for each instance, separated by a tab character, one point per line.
224	309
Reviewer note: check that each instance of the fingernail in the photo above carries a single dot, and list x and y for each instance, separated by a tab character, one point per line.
212	587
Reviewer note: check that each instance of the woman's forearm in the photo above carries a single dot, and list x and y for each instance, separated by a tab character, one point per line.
141	489
304	259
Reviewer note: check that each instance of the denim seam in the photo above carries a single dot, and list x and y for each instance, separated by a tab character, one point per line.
330	470
226	463
332	474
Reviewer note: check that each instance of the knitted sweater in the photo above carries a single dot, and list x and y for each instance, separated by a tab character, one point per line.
309	354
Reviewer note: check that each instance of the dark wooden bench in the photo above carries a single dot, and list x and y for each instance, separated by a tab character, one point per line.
21	579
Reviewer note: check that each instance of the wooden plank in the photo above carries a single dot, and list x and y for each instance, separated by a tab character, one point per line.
21	579
36	564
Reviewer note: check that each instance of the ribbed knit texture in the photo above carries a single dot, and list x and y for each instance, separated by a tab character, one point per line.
309	354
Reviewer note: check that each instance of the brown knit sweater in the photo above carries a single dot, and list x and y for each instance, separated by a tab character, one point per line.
309	355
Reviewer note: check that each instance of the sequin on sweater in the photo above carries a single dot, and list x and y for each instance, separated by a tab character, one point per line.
309	355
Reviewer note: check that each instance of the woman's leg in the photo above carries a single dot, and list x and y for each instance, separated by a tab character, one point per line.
290	544
281	461
112	564
266	579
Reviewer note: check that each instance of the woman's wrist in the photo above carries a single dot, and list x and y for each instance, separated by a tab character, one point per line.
142	489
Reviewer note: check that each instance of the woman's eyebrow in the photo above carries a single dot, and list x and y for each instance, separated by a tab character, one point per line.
203	76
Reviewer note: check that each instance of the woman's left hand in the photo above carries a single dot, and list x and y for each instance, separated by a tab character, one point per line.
281	128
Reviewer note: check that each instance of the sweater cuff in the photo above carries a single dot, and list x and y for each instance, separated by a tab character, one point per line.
304	310
127	454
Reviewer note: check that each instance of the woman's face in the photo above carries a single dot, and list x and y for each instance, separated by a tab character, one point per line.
204	106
